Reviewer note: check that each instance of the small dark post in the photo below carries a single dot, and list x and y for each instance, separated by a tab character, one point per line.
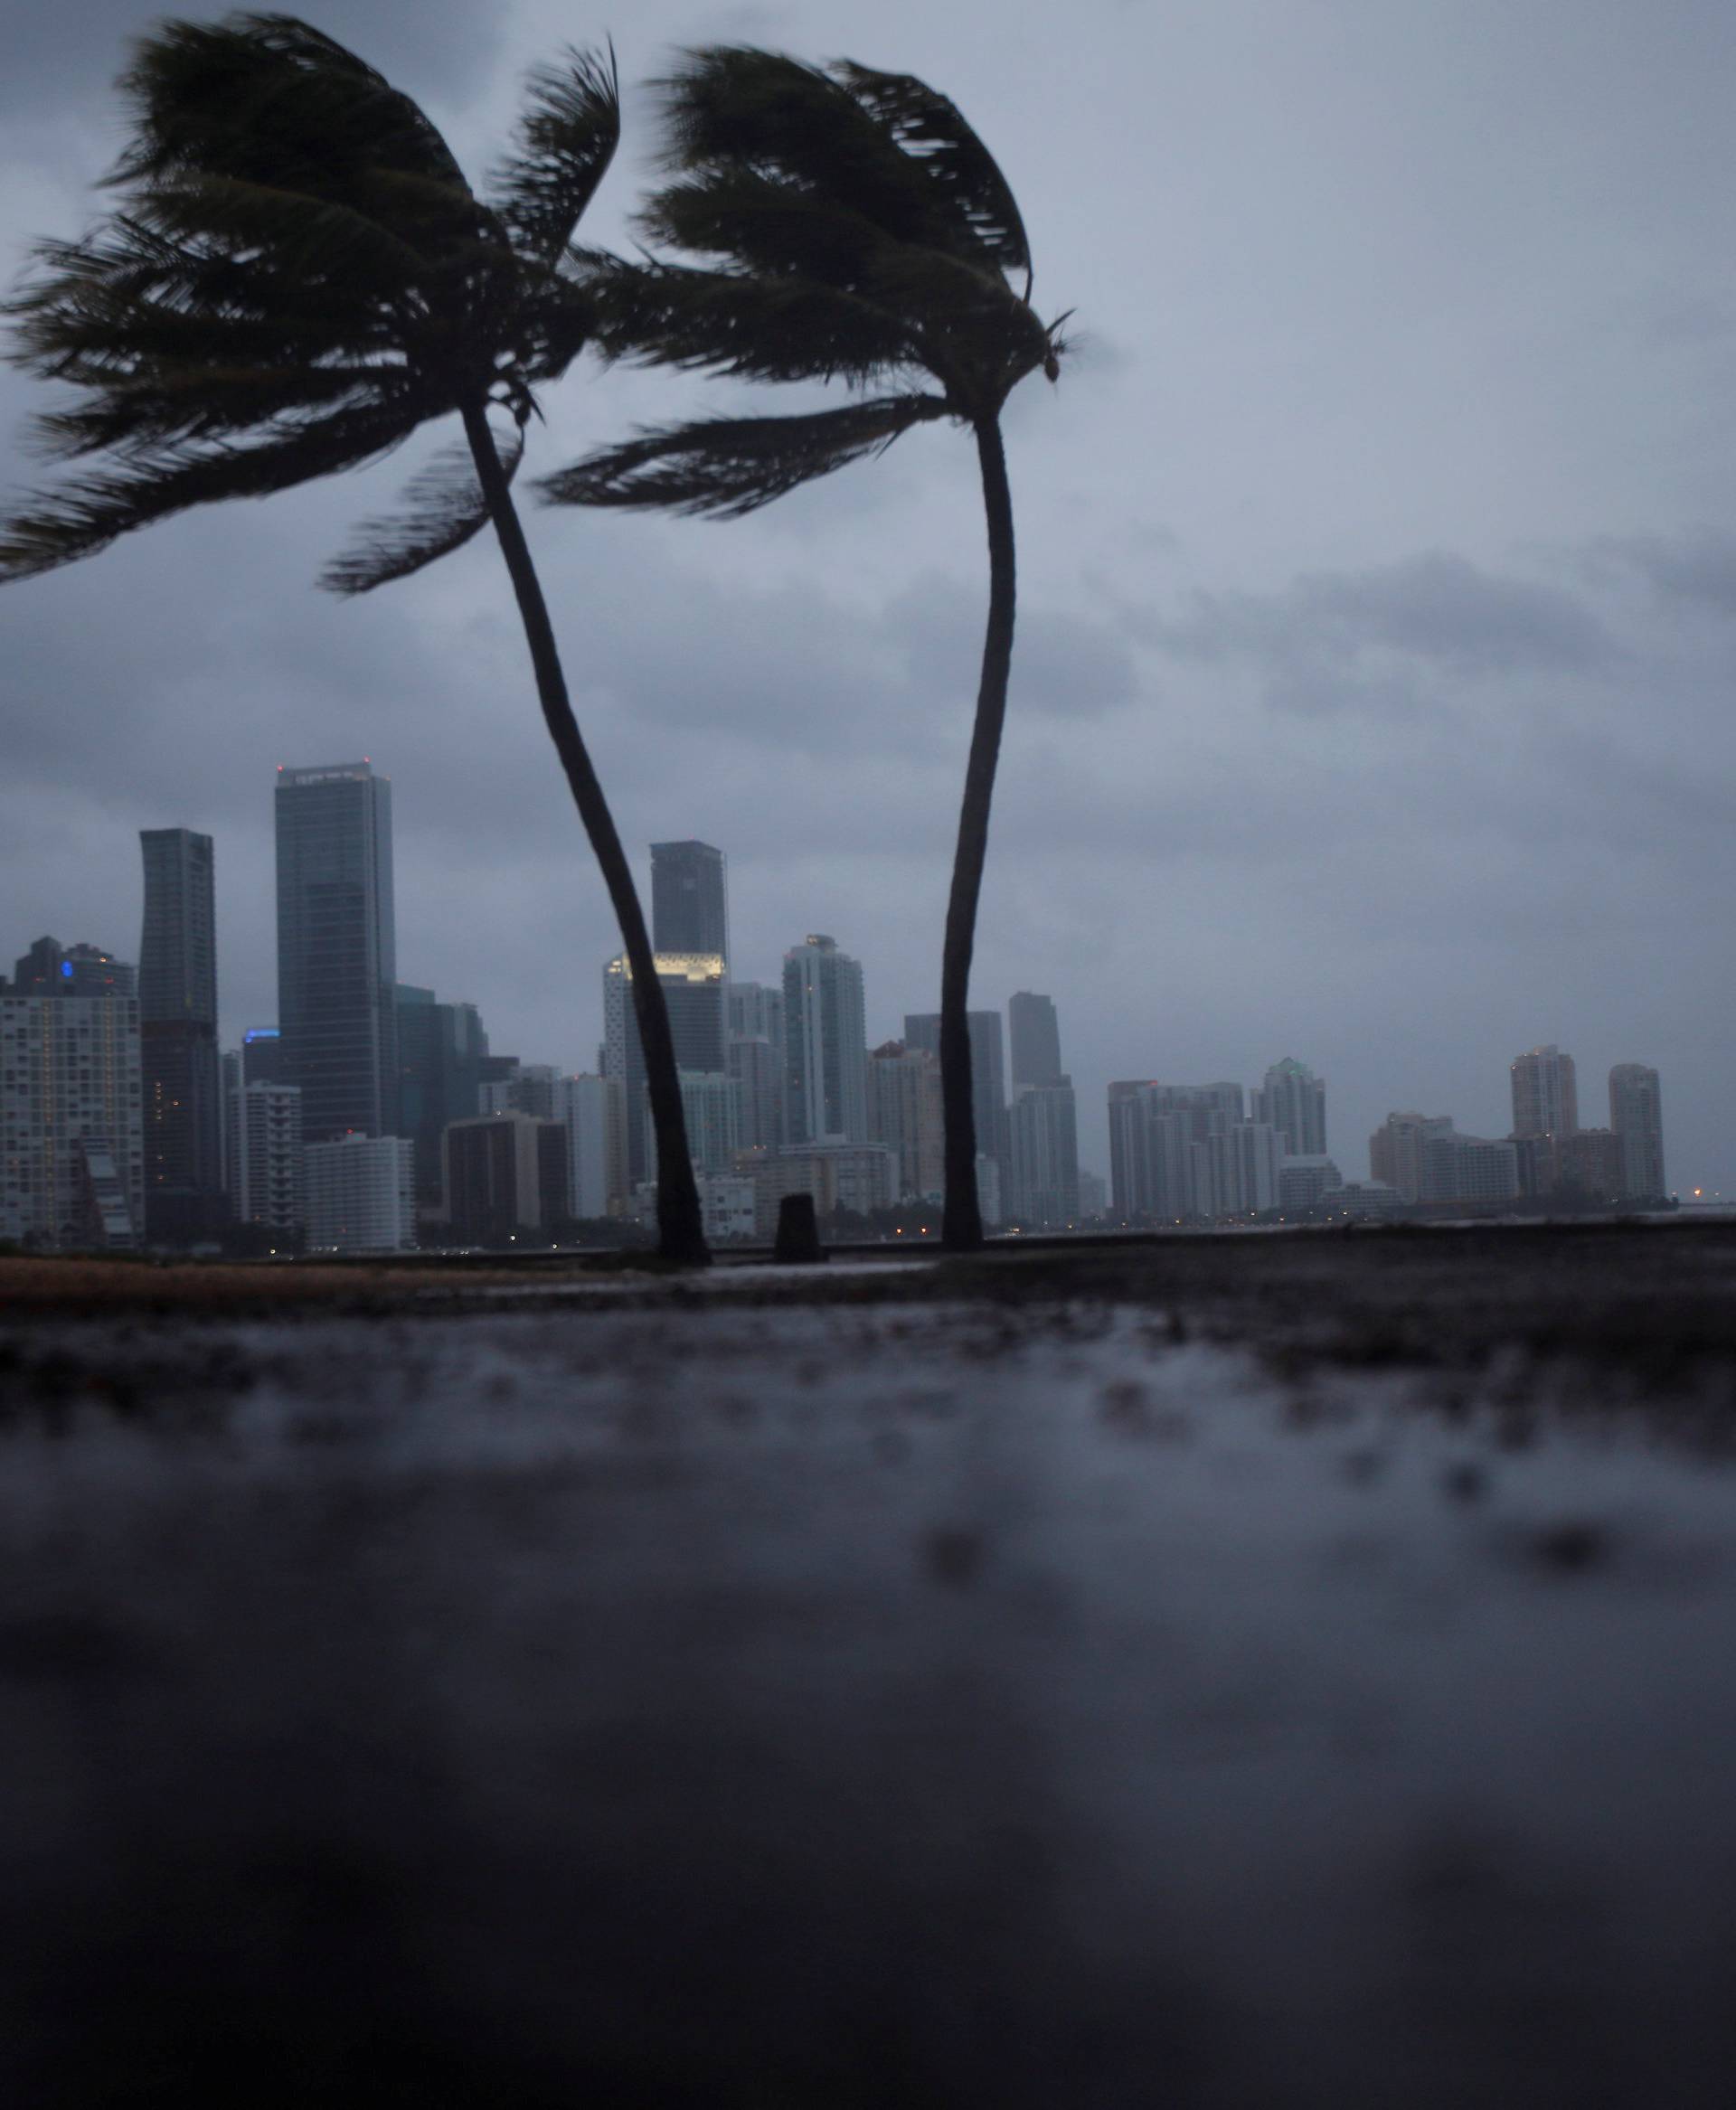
798	1231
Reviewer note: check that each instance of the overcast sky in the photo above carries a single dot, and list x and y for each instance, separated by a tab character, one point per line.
1373	696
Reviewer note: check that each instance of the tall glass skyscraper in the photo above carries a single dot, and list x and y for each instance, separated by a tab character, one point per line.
336	949
825	1045
177	1013
1035	1035
689	911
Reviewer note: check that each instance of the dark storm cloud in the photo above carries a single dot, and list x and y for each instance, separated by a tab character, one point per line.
60	59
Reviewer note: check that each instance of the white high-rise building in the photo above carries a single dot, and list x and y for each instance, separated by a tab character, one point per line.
593	1111
826	1044
1044	1187
1152	1129
1235	1170
1545	1098
905	1114
268	1170
758	1063
70	1077
1636	1115
362	1195
1293	1100
1397	1147
1304	1183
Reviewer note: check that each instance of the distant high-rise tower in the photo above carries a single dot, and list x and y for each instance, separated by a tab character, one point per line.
72	1139
826	1044
1044	1187
268	1168
693	994
905	1113
336	948
52	969
1636	1115
987	1076
689	901
1035	1035
1293	1100
177	1013
759	1065
1545	1099
441	1047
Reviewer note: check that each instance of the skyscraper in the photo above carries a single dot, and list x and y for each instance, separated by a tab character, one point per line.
694	994
71	1119
52	969
1154	1129
826	1043
905	1113
336	948
440	1051
1044	1153
1545	1099
268	1167
758	1063
592	1111
177	1011
988	1074
1035	1035
1293	1100
261	1056
1396	1150
1636	1115
689	900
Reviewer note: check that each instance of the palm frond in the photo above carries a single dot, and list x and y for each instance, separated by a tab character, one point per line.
270	99
728	467
735	106
790	328
210	401
760	224
300	232
84	516
963	177
446	507
567	138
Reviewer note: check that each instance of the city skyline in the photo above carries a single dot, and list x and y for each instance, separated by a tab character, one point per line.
1374	623
1091	1100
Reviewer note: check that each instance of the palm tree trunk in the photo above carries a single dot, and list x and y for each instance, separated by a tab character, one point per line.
681	1229
961	1224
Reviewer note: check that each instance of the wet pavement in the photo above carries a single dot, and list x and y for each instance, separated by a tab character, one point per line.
1179	1675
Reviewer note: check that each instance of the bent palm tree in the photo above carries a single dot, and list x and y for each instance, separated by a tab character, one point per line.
298	276
851	227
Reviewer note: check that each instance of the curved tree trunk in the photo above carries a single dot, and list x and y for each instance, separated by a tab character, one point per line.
681	1229
962	1219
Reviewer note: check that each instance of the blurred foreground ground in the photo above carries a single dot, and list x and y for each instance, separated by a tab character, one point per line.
1238	1670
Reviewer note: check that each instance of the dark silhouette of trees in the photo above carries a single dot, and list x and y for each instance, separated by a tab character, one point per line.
298	276
849	226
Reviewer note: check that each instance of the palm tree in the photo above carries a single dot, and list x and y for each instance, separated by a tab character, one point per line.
849	226
297	277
